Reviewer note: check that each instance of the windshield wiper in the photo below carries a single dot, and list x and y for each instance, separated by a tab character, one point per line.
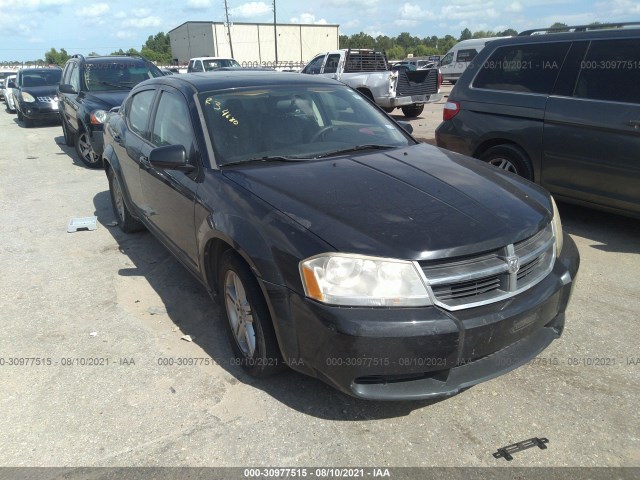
356	149
116	85
268	158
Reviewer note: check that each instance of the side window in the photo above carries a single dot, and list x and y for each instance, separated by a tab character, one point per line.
331	66
610	71
139	110
447	59
466	55
74	77
314	66
529	68
172	124
197	66
190	66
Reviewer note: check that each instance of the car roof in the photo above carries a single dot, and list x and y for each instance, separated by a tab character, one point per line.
612	33
38	69
226	79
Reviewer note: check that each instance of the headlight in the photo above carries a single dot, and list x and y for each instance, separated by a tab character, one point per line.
357	280
26	97
98	117
557	227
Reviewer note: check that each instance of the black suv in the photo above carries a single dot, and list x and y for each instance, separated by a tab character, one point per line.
36	94
89	88
561	108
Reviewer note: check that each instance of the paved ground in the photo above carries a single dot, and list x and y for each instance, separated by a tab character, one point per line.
122	298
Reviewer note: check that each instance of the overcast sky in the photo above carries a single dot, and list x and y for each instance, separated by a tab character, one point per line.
28	28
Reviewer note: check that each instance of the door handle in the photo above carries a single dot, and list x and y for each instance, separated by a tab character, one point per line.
117	139
144	161
634	123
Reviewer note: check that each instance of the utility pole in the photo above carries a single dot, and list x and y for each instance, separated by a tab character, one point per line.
275	32
226	12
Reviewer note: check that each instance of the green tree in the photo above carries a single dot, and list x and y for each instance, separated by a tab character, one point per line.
396	53
157	48
405	40
383	43
343	41
362	40
562	26
465	35
53	57
509	32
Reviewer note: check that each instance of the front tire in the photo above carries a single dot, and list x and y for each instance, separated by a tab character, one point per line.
85	150
126	222
248	324
510	158
411	111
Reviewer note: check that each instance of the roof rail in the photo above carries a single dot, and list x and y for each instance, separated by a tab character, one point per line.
578	28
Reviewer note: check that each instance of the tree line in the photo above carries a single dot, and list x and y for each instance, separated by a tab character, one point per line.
404	44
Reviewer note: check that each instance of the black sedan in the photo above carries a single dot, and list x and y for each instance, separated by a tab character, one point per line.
338	245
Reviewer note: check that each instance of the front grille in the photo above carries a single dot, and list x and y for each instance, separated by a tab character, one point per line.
418	82
472	288
492	276
46	99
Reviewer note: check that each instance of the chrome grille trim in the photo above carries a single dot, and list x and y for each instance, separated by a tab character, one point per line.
487	278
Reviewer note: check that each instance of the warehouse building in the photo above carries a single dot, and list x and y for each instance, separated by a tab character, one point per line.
252	44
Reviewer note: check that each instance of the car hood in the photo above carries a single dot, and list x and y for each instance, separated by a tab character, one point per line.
43	91
418	202
106	100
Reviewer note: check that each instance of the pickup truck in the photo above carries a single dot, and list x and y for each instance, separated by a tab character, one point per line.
368	71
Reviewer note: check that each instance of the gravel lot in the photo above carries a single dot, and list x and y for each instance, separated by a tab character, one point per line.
69	297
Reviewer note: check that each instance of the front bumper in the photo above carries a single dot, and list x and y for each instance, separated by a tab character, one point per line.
97	140
39	110
388	102
421	353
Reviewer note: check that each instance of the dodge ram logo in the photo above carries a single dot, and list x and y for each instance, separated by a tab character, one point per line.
513	264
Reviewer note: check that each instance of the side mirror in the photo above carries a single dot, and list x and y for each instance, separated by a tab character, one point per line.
11	84
170	157
66	88
406	126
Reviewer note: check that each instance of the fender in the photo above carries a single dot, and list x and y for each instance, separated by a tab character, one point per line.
110	161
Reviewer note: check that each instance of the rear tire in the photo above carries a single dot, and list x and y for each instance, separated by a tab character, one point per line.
388	109
126	222
85	150
510	158
248	323
411	111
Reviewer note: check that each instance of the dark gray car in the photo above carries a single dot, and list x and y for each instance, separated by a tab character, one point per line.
562	109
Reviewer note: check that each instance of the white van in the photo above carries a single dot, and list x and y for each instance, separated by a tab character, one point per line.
458	58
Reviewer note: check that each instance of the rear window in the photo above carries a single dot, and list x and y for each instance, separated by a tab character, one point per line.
610	71
523	68
100	76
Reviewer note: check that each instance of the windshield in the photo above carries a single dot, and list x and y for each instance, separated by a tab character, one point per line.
41	77
100	76
301	122
219	63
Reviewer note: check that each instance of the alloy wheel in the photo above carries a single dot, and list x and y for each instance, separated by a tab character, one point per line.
240	314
